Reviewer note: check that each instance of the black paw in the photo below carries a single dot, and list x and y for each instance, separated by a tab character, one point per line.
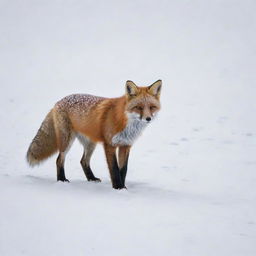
63	180
94	179
119	187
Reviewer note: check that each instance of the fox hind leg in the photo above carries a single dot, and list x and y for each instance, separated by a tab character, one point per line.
61	160
89	148
65	138
60	168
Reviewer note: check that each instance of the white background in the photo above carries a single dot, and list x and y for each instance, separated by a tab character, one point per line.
191	178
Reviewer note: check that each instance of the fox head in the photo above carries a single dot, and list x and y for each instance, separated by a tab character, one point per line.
143	103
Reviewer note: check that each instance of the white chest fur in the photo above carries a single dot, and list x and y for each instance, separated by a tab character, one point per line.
131	132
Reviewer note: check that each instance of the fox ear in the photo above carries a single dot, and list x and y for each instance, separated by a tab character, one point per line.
155	88
131	88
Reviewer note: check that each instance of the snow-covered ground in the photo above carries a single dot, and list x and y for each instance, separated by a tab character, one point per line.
192	175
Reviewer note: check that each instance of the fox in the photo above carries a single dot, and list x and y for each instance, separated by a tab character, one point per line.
114	122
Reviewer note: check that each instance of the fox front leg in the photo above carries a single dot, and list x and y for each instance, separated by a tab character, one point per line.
123	155
110	152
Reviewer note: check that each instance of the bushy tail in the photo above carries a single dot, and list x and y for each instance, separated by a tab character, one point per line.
44	144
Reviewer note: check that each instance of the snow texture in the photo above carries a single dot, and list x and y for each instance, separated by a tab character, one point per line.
192	173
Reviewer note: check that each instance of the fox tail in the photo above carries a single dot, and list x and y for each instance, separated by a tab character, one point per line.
44	143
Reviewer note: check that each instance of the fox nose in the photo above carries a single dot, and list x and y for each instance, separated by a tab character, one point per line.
148	119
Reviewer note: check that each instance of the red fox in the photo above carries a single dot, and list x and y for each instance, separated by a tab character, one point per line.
115	122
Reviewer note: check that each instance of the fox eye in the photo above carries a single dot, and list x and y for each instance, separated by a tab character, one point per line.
152	107
138	108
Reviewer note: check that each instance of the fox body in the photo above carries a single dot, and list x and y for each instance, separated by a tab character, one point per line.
115	122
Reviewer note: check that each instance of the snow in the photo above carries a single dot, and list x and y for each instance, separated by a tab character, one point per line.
191	178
